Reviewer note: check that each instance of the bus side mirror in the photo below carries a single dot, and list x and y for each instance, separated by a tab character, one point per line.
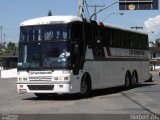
75	71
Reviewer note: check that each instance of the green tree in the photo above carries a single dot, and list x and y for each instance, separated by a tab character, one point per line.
152	44
50	13
11	46
2	47
157	42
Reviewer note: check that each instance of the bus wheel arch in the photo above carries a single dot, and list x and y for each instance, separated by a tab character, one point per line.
85	85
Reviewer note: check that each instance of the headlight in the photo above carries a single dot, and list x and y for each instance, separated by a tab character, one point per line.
65	78
61	78
55	78
22	79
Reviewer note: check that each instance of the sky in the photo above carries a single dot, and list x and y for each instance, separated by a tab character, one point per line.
13	12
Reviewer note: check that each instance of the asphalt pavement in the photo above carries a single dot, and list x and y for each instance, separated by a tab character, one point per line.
142	102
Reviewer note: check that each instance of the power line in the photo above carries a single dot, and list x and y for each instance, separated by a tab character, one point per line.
1	29
83	9
95	9
103	9
86	7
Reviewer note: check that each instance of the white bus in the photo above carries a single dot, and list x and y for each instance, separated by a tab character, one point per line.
66	54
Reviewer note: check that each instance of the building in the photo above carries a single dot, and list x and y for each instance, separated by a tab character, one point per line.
154	58
8	60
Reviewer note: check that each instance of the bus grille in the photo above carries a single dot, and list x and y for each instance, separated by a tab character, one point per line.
41	78
41	87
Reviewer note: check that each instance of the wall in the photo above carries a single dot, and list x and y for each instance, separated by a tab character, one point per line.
11	73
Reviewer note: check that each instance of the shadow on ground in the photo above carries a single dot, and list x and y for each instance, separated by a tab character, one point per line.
94	93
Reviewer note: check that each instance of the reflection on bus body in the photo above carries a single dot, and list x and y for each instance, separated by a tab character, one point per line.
51	60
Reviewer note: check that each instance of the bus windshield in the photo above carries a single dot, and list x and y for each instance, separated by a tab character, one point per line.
50	55
44	33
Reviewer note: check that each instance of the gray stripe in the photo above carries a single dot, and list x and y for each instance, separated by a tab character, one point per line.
120	59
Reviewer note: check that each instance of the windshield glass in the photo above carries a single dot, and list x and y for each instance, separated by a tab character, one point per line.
44	55
44	33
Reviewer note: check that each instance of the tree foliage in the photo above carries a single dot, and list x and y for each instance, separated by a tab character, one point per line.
49	13
156	43
9	48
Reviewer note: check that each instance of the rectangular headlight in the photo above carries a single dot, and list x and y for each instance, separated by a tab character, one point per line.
55	78
20	79
25	79
63	78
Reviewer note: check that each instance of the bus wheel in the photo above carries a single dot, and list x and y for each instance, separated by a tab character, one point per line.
85	86
128	81
134	79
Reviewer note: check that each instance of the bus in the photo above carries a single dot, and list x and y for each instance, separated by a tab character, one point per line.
68	54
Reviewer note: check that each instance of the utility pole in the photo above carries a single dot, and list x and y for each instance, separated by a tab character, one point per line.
105	7
1	29
80	8
4	40
95	9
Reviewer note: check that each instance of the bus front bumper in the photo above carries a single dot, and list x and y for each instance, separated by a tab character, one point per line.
40	87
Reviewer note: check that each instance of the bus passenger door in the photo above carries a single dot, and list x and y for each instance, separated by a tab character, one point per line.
77	47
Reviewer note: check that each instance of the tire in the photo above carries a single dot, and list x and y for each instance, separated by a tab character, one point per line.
128	82
85	87
134	79
150	79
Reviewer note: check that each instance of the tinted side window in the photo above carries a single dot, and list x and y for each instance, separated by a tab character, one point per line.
77	31
88	33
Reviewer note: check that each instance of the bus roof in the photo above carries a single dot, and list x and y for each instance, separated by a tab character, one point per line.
51	20
122	28
67	19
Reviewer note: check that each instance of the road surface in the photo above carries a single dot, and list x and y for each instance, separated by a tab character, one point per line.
112	103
